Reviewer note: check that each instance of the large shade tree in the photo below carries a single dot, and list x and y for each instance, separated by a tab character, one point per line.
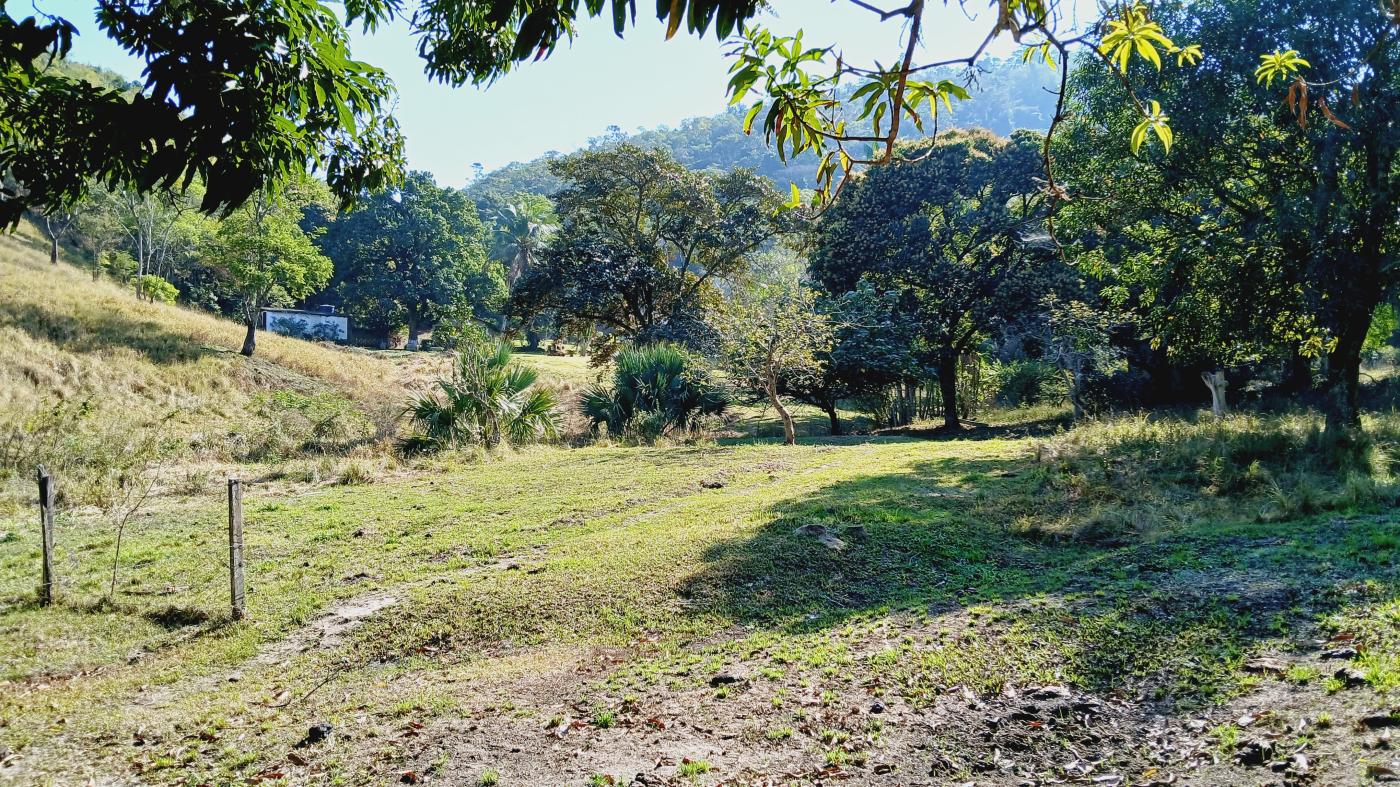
642	240
237	95
945	236
1272	220
266	257
407	254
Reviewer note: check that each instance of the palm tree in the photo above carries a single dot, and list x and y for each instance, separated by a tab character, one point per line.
521	228
487	400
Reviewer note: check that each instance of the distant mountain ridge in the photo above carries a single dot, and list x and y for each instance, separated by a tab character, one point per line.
1006	95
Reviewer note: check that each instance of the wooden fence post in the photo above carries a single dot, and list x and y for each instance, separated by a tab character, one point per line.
235	547
46	504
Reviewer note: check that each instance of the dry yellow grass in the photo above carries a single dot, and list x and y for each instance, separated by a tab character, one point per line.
54	315
67	341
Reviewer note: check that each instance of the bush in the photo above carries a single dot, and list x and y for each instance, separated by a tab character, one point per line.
158	290
289	423
458	329
655	389
1026	383
1101	394
95	453
487	401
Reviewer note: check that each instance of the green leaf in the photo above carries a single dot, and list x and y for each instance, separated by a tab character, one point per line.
749	118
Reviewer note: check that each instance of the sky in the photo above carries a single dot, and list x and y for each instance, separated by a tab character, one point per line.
641	81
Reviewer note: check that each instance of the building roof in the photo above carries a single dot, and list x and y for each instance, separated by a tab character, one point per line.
301	311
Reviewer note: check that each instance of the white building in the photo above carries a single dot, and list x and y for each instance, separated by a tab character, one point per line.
323	324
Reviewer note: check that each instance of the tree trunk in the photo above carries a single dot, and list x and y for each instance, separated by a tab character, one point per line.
1215	381
412	333
53	249
532	338
1297	374
250	339
789	431
948	387
830	410
1076	387
1341	383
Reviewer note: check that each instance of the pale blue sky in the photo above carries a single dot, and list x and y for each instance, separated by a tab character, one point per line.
599	81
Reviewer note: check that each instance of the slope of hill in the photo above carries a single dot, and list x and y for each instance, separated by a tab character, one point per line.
88	372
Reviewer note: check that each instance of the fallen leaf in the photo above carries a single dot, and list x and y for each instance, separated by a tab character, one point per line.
1266	664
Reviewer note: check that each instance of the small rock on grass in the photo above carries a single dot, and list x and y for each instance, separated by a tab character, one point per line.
1254	752
726	679
1377	721
826	537
1267	664
1350	677
1049	693
315	734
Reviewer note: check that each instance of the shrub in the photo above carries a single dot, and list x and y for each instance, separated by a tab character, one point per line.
289	423
655	389
1025	383
158	290
96	453
458	329
487	400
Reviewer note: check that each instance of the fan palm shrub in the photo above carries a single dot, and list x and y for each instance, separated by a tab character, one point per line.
655	389
487	400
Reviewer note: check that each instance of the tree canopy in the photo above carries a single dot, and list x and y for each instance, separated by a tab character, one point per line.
642	240
944	236
237	95
407	254
240	93
1268	228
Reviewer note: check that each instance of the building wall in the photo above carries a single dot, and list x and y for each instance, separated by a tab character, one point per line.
323	327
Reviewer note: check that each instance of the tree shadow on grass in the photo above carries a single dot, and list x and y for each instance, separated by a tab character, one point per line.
97	330
975	430
1168	615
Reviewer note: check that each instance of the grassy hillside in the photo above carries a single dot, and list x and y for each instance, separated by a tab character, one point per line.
86	368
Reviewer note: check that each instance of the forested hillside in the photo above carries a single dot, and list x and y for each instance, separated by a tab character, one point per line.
1006	95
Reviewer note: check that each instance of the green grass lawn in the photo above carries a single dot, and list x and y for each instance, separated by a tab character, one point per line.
559	369
671	564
